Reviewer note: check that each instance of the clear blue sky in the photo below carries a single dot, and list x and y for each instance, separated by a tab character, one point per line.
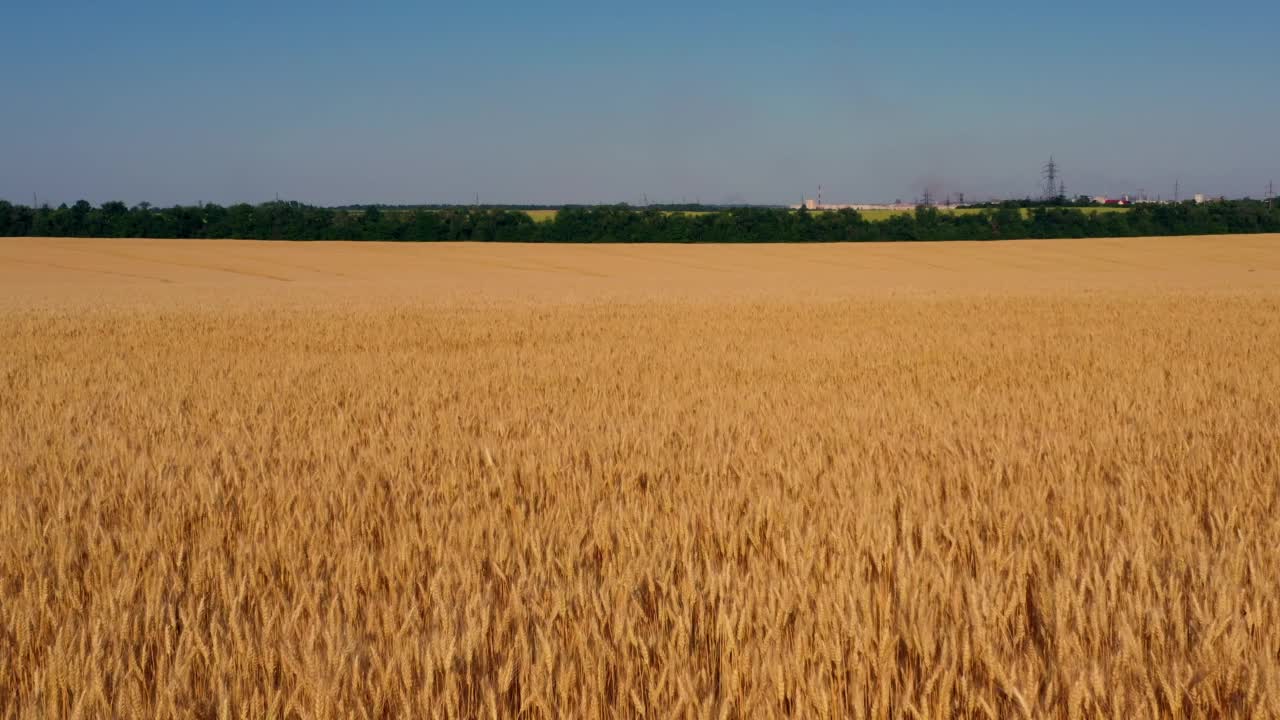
554	102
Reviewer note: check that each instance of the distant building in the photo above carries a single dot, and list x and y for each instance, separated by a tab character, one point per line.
1200	198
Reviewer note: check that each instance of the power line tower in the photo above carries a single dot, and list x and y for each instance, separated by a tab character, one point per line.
927	199
1050	174
1177	191
1271	193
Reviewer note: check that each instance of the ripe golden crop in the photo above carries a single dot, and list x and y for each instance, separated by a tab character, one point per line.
349	500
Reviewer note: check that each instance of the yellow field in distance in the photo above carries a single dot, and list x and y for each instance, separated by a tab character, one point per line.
541	215
1023	479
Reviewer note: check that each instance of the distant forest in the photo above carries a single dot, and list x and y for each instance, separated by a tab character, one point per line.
675	207
626	224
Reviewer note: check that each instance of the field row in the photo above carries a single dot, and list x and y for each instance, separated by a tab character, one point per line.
303	480
74	272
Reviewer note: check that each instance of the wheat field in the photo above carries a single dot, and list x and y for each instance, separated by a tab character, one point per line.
958	480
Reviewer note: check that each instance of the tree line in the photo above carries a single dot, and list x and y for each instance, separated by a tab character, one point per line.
681	207
621	223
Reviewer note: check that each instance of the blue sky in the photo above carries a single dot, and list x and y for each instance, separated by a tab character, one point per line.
556	102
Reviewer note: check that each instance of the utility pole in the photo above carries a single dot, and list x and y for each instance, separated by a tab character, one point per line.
1050	174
